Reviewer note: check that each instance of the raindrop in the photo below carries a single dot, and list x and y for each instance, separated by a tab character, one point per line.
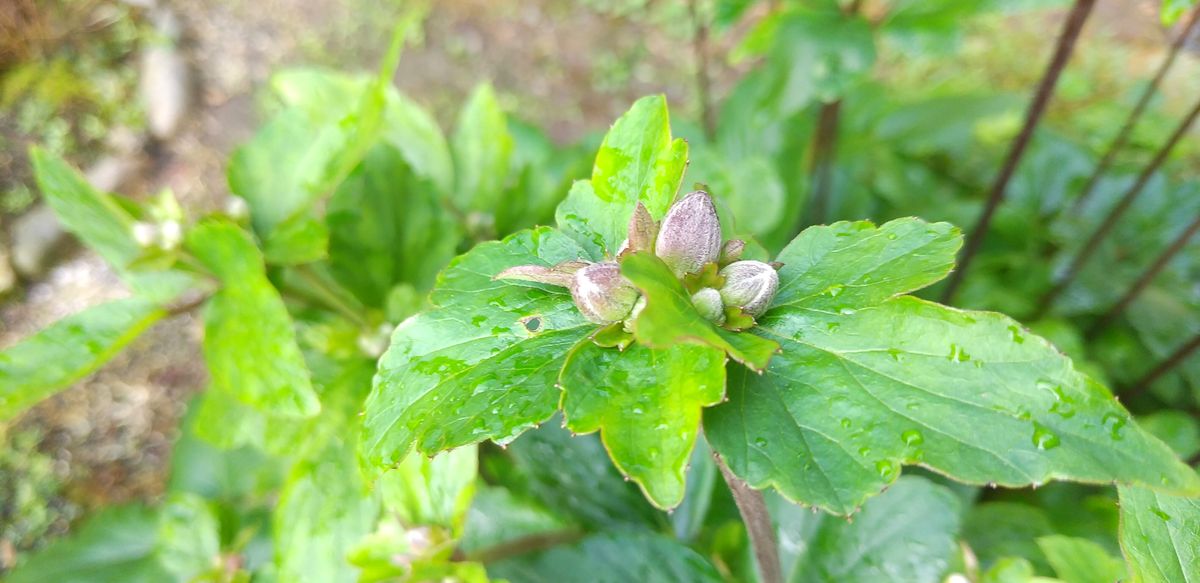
894	353
912	437
834	290
1017	336
847	311
864	451
760	442
1043	438
1159	513
846	423
1114	422
957	354
886	469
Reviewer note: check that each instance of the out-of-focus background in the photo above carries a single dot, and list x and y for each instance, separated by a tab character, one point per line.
153	94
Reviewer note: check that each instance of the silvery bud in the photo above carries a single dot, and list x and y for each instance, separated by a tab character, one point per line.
749	285
708	303
602	293
690	235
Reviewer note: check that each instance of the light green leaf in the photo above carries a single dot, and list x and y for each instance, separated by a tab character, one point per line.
324	510
93	216
416	134
905	535
1172	10
497	516
856	264
434	491
968	394
1078	560
638	161
669	317
387	227
69	350
1160	535
611	558
249	342
188	537
646	404
999	530
483	364
482	149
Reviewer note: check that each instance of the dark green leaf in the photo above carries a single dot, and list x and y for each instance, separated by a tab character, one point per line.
611	558
905	535
646	404
669	317
970	394
472	369
999	530
114	546
497	516
69	350
1160	535
249	341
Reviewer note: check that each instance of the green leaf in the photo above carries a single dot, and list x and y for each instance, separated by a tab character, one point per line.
669	317
115	546
416	134
573	478
856	264
1077	560
93	216
611	558
249	342
638	161
497	516
999	530
1177	429
968	394
434	491
69	350
646	404
1172	10
324	510
482	149
483	364
905	535
387	226
188	537
1160	535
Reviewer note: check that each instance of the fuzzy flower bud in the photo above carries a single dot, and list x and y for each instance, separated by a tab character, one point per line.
749	285
602	293
708	303
690	235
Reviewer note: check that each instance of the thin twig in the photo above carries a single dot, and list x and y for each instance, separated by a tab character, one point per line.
1062	53
1146	277
1127	129
1143	384
824	154
754	513
703	81
1093	243
524	545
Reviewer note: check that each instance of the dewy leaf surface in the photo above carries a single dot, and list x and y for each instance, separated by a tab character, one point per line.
249	340
68	350
855	264
646	404
638	161
483	364
1160	535
669	317
969	394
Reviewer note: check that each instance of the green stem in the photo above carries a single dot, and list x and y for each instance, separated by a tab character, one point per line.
327	295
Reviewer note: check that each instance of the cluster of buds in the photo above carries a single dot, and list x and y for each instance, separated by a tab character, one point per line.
725	289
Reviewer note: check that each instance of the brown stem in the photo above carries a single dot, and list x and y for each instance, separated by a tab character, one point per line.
1093	243
1062	53
525	544
824	153
1127	129
1145	278
703	81
754	513
1181	354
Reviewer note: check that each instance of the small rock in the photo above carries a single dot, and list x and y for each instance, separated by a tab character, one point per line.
35	236
8	278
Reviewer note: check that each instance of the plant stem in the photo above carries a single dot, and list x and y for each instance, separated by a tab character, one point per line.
1175	359
754	513
1123	135
1146	277
322	291
703	81
525	544
824	153
1093	243
1062	53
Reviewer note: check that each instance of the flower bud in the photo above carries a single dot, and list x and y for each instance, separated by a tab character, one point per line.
732	251
690	235
749	285
602	293
708	303
642	230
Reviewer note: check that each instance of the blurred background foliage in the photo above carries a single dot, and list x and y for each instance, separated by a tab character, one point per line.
360	191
